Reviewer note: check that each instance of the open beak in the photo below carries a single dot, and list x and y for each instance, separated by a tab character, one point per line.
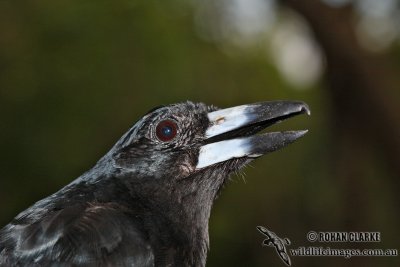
231	133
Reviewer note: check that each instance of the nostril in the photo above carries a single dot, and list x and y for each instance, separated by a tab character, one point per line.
220	120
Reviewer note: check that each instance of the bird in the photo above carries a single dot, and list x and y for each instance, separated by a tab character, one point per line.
147	201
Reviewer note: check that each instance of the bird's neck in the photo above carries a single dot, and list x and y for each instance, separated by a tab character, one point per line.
176	216
191	211
185	228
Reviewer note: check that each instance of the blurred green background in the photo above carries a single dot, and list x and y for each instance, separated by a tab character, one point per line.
75	75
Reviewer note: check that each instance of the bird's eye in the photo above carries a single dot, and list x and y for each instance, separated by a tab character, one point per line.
166	130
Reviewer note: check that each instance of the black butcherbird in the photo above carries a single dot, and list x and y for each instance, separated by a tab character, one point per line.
147	202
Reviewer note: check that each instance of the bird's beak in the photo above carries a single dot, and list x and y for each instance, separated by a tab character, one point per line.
231	131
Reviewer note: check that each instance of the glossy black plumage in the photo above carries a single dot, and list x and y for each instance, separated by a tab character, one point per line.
145	203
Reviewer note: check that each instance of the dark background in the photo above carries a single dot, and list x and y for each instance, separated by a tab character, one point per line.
75	75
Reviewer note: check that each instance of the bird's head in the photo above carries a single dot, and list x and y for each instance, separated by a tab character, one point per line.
198	146
170	166
164	144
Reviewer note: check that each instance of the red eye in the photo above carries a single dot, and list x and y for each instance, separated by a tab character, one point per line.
166	130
